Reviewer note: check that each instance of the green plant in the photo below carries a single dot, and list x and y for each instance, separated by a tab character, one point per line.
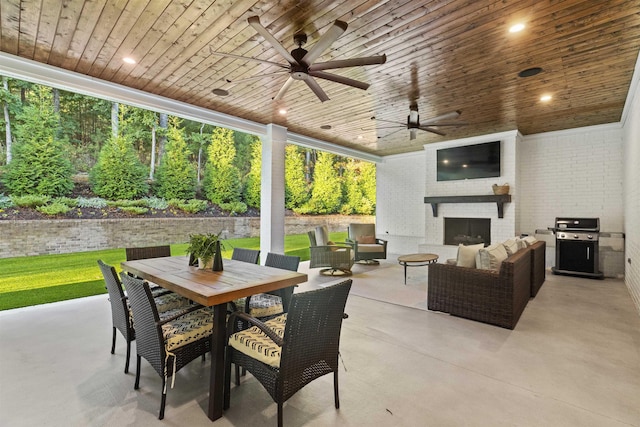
222	179
67	201
156	203
30	201
176	177
55	208
136	210
233	207
6	201
193	205
141	203
203	246
93	202
118	174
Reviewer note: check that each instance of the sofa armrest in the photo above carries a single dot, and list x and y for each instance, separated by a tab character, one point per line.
538	265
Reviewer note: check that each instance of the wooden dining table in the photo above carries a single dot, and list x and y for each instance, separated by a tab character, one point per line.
213	288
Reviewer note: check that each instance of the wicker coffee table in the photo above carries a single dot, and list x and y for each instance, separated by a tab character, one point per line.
416	260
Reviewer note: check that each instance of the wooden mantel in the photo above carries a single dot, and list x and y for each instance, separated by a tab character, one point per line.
499	200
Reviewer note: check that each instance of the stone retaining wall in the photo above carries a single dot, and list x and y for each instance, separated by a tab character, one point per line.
23	238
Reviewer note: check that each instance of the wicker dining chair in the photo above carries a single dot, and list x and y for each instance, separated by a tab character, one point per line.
121	317
286	353
167	344
251	256
148	252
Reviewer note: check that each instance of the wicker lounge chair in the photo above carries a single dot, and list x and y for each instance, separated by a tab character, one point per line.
302	345
338	258
366	246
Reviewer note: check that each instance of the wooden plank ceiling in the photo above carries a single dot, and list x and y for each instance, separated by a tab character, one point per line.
447	55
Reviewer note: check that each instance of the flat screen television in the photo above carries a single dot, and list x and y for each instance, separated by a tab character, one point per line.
469	161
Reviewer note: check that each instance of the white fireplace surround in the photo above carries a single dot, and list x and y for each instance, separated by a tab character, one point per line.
501	228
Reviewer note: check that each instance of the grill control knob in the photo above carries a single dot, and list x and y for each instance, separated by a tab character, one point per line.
589	236
575	236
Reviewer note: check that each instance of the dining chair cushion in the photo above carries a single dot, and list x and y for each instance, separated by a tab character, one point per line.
168	305
256	344
187	329
261	305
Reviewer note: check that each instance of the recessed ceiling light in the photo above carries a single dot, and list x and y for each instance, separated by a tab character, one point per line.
530	72
359	136
129	60
516	28
325	127
545	98
282	111
220	92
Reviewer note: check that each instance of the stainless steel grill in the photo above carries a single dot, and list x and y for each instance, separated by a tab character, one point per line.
577	247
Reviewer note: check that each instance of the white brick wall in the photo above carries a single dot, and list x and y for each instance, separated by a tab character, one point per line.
631	122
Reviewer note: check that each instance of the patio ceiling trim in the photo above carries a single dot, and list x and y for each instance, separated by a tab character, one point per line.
36	72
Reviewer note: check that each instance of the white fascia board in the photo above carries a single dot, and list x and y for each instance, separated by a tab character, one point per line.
309	142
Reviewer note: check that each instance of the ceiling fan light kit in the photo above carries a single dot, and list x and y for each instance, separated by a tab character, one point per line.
301	63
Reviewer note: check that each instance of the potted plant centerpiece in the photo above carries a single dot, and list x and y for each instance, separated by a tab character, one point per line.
206	249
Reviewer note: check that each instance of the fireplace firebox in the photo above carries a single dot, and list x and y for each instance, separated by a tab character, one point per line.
468	231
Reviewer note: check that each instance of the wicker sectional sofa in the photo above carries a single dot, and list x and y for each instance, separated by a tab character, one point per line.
494	297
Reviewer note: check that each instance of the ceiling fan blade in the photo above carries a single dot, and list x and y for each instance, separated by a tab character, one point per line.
246	58
345	63
389	121
284	88
447	116
413	134
325	41
432	130
315	87
254	21
339	79
246	79
445	124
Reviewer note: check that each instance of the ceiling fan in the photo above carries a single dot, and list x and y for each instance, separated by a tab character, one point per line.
413	119
301	64
413	122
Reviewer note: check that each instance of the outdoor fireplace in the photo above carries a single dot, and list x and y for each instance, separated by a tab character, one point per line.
468	231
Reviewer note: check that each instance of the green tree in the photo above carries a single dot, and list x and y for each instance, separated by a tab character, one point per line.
118	174
296	186
40	161
176	177
326	195
254	177
222	180
357	180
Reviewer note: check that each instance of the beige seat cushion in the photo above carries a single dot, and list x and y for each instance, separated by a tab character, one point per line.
256	344
188	328
261	305
467	255
370	248
491	257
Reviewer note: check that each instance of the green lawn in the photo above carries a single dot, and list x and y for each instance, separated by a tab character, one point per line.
33	280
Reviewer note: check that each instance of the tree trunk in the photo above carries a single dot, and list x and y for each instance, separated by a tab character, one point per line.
152	167
115	107
7	121
164	120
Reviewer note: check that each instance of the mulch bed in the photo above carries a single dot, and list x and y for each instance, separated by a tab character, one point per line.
83	190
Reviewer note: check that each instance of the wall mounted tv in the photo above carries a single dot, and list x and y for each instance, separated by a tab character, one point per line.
469	161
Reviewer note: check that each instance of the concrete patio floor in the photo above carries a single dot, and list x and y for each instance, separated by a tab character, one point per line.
572	360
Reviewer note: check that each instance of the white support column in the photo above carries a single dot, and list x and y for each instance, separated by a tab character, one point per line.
272	191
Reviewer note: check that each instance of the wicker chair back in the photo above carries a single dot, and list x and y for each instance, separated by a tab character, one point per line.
148	252
251	256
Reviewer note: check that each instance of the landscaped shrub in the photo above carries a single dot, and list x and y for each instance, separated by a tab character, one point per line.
119	174
252	182
222	180
40	162
296	191
93	202
67	201
176	177
356	179
193	205
140	203
6	201
156	203
326	194
30	201
233	207
55	208
136	210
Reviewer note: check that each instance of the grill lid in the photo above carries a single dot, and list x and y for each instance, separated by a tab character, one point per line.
578	224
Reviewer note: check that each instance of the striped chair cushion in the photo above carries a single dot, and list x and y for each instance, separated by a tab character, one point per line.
256	344
188	328
261	305
168	305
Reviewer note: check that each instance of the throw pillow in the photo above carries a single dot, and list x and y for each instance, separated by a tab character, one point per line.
511	246
491	257
366	240
467	255
332	246
322	235
530	240
521	243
